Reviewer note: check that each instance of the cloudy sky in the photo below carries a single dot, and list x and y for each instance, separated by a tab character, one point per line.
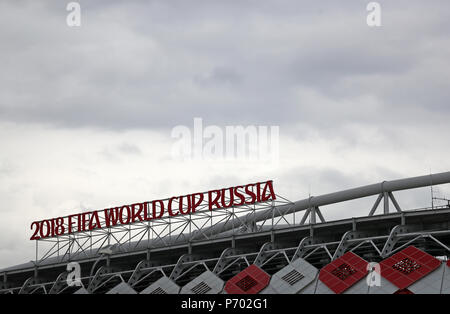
86	113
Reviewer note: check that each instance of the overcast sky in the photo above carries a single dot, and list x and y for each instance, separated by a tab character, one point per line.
86	112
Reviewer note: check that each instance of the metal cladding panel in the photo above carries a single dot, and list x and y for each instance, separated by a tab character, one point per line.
249	281
321	288
82	290
361	287
206	283
343	272
446	279
122	288
311	288
407	266
162	286
294	277
430	284
268	290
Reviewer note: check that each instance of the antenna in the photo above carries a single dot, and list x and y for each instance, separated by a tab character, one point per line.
431	188
438	197
309	197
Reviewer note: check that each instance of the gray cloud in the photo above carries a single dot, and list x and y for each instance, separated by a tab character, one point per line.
159	64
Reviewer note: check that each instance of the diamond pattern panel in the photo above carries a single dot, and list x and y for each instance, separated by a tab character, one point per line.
206	283
430	284
158	291
403	291
343	272
162	286
246	283
201	288
294	277
249	281
122	288
407	266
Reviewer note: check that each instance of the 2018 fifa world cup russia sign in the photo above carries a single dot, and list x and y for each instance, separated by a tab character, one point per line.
147	211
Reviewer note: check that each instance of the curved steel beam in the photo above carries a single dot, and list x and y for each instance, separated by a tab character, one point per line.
263	253
331	198
178	269
223	260
59	284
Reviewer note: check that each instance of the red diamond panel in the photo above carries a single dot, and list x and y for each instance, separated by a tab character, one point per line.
403	291
407	266
246	283
343	272
249	281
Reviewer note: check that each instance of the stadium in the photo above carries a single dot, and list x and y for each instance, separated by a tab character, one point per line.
265	245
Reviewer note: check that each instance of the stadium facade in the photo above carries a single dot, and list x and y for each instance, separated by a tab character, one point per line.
265	245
